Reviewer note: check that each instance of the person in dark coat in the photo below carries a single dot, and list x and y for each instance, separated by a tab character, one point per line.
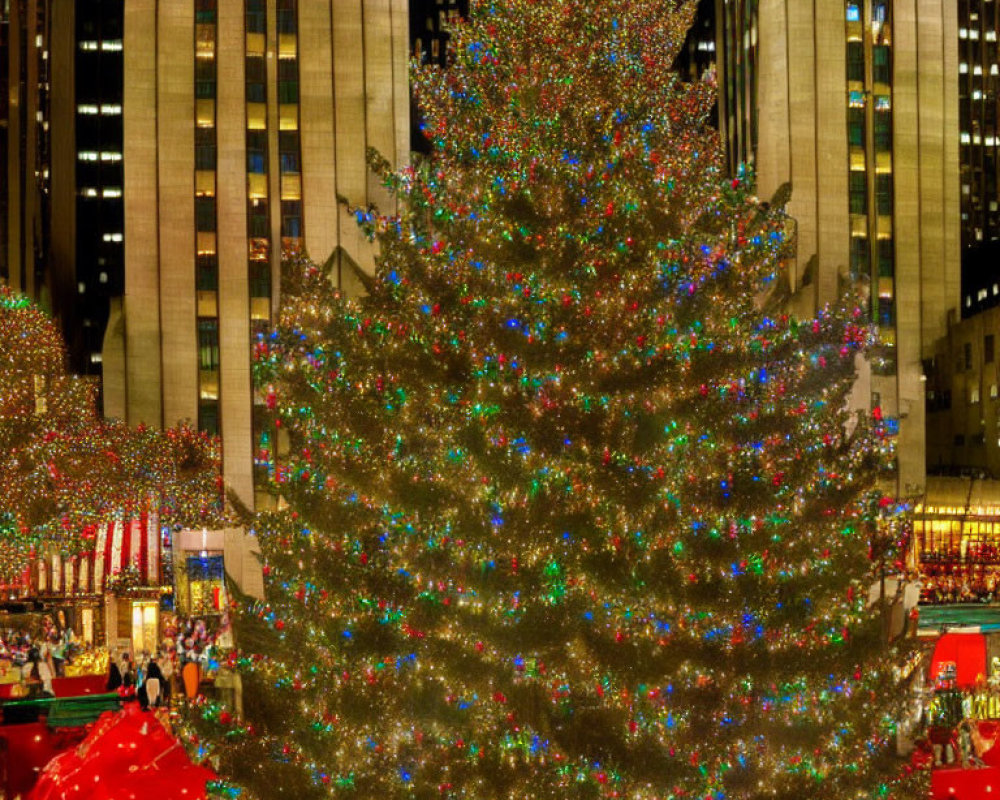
114	677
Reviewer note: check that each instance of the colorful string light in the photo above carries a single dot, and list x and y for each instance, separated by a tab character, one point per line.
573	509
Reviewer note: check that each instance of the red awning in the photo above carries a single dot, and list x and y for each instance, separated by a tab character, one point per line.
118	543
967	651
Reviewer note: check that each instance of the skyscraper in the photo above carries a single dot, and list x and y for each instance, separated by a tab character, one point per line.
243	125
25	28
853	106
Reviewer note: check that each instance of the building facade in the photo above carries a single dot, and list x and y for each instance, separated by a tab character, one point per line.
244	124
853	108
25	126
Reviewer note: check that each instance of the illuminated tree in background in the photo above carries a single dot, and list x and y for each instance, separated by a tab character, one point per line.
63	467
572	510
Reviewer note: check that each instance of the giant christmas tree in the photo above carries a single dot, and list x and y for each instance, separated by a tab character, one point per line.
572	509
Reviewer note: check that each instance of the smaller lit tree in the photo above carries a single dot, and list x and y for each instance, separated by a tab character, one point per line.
63	466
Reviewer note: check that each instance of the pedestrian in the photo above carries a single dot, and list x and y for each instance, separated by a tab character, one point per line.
153	683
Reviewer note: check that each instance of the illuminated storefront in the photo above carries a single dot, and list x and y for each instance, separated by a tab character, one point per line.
956	541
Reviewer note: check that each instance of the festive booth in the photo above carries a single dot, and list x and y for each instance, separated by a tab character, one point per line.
956	541
112	592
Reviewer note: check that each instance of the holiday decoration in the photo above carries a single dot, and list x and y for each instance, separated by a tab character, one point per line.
572	508
126	755
64	470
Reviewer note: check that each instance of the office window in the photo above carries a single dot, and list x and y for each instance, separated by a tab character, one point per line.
288	80
885	258
204	214
204	11
260	279
207	272
287	22
256	16
883	131
881	64
858	193
288	149
208	417
859	256
856	127
204	148
208	344
256	79
257	152
257	221
886	316
855	62
883	194
204	78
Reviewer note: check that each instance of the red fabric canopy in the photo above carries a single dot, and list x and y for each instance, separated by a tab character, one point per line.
126	756
967	651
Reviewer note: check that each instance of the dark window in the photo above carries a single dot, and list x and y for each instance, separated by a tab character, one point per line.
204	78
288	148
859	192
204	213
288	91
286	16
257	225
256	16
204	11
208	417
291	218
855	62
967	351
856	127
883	194
885	312
883	131
260	279
988	349
257	152
256	78
208	344
859	256
885	260
881	64
204	152
959	440
208	273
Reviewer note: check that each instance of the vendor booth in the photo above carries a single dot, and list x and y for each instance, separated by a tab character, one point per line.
111	595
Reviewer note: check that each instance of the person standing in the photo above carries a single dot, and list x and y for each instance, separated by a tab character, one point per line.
46	668
153	684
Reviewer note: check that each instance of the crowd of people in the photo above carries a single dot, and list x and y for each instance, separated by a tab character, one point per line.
40	652
184	656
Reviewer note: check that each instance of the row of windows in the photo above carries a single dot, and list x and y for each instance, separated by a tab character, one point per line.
206	263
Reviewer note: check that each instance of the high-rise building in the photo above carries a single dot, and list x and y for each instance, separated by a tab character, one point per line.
25	30
853	107
978	81
979	140
245	130
61	184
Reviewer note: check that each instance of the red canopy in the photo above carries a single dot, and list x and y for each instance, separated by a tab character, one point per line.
967	651
126	756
